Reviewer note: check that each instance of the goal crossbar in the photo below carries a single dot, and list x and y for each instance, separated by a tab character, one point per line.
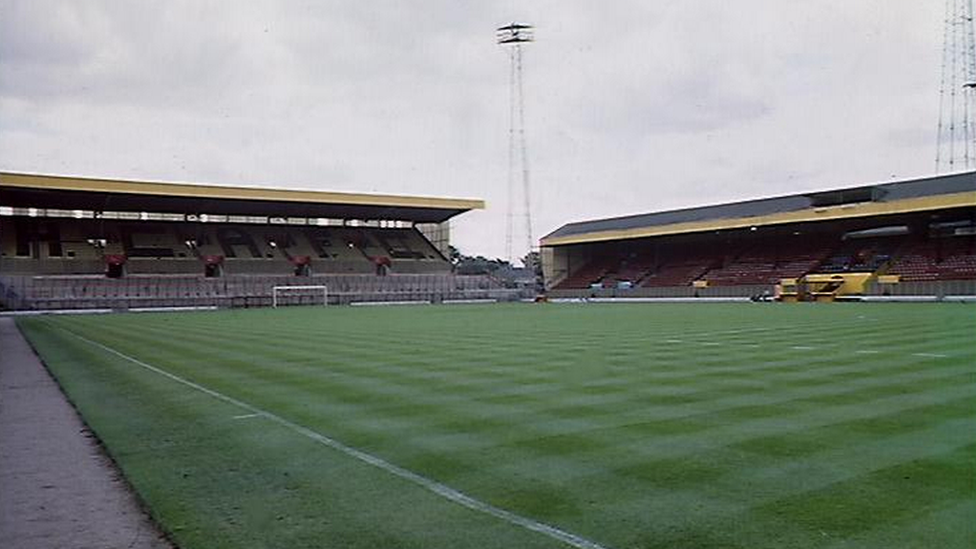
275	290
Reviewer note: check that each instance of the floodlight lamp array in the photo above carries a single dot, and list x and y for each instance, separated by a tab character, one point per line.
515	33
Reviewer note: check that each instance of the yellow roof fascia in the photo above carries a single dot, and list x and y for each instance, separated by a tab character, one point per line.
188	190
845	211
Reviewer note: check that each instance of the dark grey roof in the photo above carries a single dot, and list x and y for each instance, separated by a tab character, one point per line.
883	192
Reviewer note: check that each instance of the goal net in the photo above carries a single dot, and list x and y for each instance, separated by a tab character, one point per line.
299	295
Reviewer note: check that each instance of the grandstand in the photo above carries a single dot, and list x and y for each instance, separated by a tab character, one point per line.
914	237
72	242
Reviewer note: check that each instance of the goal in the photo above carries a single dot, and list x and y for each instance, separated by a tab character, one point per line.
299	295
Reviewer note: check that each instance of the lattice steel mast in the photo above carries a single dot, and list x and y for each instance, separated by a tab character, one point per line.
956	138
514	36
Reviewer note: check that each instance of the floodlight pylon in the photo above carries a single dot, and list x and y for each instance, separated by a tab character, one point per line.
513	36
956	135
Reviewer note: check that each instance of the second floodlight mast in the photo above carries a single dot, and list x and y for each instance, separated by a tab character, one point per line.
955	147
514	36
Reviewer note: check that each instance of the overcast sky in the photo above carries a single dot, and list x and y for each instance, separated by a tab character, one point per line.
631	106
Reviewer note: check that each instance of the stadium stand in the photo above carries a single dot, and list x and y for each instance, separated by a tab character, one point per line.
908	232
861	255
590	274
49	292
85	243
936	259
680	263
768	261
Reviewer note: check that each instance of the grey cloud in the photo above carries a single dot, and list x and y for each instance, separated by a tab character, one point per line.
631	106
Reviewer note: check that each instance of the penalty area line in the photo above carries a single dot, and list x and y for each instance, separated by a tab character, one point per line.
931	355
431	485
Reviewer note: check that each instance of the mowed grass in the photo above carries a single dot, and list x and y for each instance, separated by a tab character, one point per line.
633	426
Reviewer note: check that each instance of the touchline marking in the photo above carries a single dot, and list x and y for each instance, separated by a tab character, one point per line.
867	352
931	355
246	416
442	490
802	348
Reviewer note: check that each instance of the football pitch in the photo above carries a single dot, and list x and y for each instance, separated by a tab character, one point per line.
555	425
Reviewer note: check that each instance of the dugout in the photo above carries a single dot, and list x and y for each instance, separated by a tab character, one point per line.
907	237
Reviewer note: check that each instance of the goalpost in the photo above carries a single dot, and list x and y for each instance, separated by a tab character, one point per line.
315	291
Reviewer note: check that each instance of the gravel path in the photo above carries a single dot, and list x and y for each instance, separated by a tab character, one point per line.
57	487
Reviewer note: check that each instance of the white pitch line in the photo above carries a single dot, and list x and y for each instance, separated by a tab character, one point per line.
442	490
867	351
246	416
802	348
930	355
673	341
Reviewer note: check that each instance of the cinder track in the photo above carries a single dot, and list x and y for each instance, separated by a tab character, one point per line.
59	489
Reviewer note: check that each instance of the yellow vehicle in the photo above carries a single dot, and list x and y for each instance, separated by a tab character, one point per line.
822	287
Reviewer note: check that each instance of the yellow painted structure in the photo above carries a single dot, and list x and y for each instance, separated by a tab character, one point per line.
187	190
788	290
823	287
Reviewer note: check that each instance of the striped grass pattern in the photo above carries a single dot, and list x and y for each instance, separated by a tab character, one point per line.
734	426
